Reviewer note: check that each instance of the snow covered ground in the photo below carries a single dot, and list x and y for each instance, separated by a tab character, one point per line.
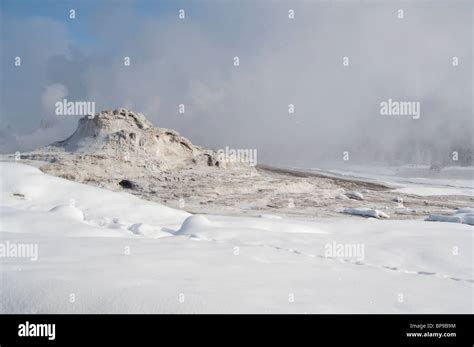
108	252
420	180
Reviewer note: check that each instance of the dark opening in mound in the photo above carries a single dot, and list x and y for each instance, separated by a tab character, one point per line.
127	184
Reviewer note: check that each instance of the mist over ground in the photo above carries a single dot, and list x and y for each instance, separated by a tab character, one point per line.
282	61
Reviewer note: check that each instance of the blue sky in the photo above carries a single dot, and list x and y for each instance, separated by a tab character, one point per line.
79	33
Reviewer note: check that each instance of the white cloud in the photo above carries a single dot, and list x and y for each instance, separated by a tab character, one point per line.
282	61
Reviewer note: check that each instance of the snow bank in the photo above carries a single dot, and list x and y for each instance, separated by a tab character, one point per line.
55	205
239	265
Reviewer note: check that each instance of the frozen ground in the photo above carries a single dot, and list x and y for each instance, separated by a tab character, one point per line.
420	180
101	251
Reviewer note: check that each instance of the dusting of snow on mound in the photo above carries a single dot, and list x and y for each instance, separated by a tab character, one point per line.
366	212
129	137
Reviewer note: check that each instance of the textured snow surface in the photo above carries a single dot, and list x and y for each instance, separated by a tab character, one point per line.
115	253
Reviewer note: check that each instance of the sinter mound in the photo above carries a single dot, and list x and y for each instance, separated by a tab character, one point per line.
121	150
